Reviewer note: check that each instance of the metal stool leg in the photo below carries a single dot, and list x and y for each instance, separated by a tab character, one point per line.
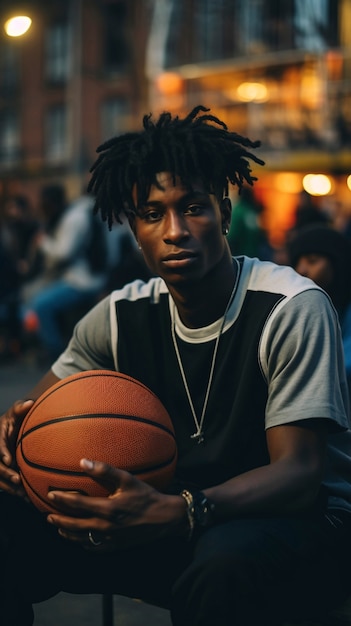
107	609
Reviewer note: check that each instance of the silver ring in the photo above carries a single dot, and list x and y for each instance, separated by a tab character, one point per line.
93	541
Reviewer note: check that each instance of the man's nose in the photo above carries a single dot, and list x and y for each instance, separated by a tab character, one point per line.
176	227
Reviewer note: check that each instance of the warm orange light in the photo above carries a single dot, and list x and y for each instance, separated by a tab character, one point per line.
169	83
311	89
288	182
252	92
334	60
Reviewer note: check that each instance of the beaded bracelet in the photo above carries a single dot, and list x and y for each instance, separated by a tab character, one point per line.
188	497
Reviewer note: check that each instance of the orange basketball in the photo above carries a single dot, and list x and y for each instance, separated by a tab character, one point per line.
99	415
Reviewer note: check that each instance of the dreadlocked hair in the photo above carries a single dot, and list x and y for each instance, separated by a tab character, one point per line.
198	147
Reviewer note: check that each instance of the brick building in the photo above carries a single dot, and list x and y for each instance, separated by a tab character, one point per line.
74	79
87	69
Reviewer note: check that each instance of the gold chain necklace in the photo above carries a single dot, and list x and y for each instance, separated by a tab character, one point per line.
199	435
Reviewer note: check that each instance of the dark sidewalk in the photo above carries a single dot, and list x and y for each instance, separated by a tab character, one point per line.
16	379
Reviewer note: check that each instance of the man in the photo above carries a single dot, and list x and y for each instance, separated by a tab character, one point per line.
246	356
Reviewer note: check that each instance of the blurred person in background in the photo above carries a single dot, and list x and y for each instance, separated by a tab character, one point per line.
308	212
9	320
125	260
246	235
71	251
18	229
323	254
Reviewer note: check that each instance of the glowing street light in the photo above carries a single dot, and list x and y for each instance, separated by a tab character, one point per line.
18	25
317	184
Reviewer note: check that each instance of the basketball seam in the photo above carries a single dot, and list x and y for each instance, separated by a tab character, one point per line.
43	468
83	416
39	496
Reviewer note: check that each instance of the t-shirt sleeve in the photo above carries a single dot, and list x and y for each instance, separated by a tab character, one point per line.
90	345
302	358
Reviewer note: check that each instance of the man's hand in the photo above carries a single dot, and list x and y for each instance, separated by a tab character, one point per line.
134	513
10	423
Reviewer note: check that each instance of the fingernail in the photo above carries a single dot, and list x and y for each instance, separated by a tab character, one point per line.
87	464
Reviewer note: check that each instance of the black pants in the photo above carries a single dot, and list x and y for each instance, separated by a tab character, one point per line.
244	572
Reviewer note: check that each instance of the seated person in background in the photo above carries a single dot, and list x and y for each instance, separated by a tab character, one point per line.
18	228
247	358
9	320
71	252
324	255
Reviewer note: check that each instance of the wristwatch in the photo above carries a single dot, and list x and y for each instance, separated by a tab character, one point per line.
203	510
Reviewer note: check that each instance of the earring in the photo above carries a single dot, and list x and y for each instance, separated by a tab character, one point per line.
225	230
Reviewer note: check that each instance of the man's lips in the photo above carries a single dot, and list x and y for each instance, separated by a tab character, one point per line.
179	259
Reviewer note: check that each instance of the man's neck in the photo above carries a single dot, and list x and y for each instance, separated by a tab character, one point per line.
202	304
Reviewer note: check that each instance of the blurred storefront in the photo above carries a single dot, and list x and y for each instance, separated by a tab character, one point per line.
275	71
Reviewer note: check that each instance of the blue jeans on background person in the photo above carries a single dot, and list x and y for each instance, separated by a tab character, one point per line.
48	306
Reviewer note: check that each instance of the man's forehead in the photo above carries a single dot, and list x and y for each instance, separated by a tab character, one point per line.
168	179
165	180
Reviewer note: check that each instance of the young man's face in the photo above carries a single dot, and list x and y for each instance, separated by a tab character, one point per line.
181	231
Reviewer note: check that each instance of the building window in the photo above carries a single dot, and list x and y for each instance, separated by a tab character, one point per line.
9	66
116	48
177	48
195	32
210	30
9	137
56	149
114	118
311	24
249	22
211	19
58	53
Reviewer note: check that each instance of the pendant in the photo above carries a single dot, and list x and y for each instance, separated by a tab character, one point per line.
199	437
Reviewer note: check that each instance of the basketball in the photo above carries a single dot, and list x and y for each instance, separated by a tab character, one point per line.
100	415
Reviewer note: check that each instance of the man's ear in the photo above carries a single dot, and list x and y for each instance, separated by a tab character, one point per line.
226	211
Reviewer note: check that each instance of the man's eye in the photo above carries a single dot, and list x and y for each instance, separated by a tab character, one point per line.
151	216
193	209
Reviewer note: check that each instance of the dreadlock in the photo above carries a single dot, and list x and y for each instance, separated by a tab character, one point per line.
198	147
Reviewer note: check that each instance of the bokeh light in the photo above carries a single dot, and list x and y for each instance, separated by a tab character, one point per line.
18	25
317	184
288	182
252	92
